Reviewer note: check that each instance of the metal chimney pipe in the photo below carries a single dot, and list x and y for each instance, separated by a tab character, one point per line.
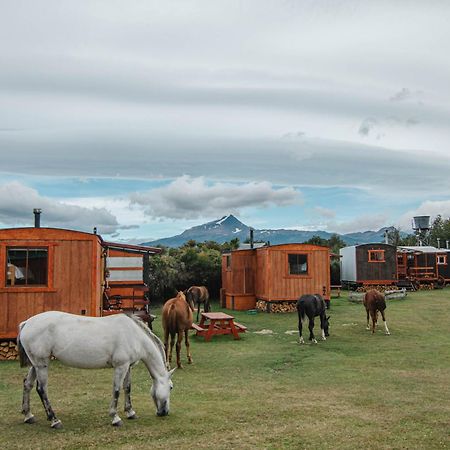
439	242
251	237
37	217
447	244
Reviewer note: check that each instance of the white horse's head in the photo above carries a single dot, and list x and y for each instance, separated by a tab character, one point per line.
161	388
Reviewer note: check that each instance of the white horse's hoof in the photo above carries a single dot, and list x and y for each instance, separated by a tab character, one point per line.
314	341
117	421
324	338
387	333
29	419
301	341
56	424
131	415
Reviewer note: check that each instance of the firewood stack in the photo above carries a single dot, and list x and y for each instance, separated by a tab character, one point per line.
276	307
8	351
426	286
378	287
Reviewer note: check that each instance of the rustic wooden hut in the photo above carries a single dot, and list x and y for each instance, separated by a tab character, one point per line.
368	264
272	278
443	265
56	269
422	265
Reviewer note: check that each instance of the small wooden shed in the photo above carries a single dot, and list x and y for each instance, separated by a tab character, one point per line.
274	275
443	264
422	265
368	264
56	269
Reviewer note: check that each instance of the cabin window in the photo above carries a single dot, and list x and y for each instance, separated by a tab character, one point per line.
298	264
441	260
228	261
376	256
27	266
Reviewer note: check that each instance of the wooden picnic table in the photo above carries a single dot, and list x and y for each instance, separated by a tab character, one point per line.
213	323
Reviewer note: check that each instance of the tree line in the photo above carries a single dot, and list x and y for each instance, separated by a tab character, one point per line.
438	235
194	263
200	263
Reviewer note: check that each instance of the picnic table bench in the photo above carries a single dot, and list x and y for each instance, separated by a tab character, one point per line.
214	323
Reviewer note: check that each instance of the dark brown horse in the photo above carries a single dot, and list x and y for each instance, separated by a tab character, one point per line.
373	302
177	320
198	295
312	305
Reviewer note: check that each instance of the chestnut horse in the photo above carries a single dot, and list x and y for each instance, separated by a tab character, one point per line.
373	302
197	295
177	320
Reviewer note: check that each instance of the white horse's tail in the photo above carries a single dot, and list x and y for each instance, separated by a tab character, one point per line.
23	357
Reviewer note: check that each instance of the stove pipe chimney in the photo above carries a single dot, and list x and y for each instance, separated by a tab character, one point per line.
251	237
37	217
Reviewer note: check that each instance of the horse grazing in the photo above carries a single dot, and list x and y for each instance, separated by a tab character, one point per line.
373	302
118	341
177	320
312	306
198	295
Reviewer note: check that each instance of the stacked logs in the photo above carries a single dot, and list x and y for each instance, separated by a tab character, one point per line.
425	286
378	287
276	307
8	351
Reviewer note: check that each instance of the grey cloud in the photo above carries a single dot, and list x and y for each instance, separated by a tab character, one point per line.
364	222
308	162
191	198
367	125
18	201
325	212
405	94
371	125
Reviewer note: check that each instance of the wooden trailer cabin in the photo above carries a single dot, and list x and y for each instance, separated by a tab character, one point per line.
55	269
419	265
272	278
443	265
368	264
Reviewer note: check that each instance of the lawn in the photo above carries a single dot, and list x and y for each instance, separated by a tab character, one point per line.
353	391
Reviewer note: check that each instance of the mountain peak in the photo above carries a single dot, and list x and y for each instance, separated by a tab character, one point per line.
229	227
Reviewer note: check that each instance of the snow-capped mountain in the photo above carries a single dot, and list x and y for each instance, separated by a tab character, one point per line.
229	227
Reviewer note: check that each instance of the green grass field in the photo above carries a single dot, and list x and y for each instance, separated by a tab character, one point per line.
354	391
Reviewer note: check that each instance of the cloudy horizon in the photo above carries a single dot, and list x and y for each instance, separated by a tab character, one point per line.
148	119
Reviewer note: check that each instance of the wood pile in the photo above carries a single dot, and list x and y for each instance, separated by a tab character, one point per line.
277	307
425	286
8	351
377	287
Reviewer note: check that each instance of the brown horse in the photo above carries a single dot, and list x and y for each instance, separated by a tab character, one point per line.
374	301
177	320
197	295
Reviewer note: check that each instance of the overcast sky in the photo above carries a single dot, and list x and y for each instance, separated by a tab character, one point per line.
143	118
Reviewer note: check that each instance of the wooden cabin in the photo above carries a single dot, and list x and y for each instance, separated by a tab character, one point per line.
368	264
273	276
55	269
443	265
422	265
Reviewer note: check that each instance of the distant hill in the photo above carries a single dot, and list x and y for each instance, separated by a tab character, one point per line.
229	227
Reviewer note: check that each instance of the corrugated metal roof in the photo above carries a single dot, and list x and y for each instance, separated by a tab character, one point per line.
132	248
419	249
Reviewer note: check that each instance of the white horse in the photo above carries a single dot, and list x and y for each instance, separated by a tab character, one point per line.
117	341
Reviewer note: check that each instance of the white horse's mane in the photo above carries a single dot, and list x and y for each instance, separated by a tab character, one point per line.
138	321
